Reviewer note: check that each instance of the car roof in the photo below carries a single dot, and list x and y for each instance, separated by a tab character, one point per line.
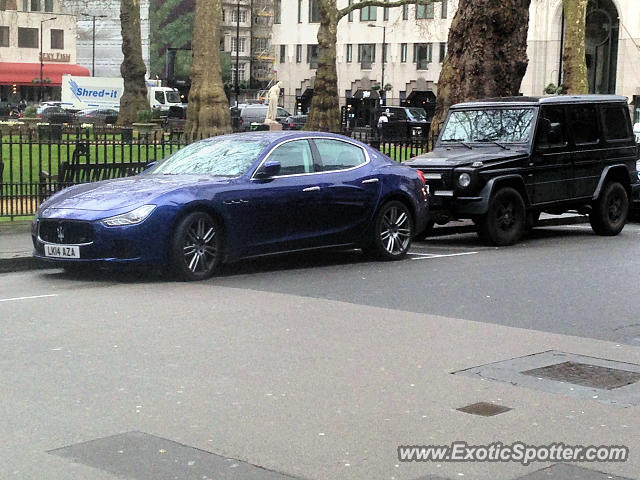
275	136
536	101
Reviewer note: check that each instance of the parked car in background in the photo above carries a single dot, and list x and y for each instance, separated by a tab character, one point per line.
403	123
47	104
97	116
501	162
257	113
56	115
294	122
237	196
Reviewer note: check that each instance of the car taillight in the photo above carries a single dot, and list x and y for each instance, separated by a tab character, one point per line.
421	176
291	125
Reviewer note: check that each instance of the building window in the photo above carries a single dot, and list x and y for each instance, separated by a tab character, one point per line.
48	5
3	5
224	16
283	53
25	5
57	39
443	51
299	11
368	14
241	72
277	11
443	12
28	38
35	6
234	44
403	52
424	11
366	55
405	12
349	52
298	53
422	55
312	56
260	44
385	12
350	16
222	44
234	16
4	36
314	14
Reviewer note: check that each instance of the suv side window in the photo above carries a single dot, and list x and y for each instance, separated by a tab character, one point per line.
294	157
551	128
583	124
616	124
337	155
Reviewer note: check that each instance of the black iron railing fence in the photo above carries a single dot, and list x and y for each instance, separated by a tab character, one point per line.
36	162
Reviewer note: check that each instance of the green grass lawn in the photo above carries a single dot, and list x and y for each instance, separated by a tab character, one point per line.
401	153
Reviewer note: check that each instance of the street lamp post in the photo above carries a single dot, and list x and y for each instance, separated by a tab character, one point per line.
236	86
93	59
384	51
41	57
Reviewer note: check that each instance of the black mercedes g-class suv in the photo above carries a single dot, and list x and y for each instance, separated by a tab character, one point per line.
500	162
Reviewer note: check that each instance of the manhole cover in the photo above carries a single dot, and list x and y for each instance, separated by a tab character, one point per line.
600	379
586	375
484	409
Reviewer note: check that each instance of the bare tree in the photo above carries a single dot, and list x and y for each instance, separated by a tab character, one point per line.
487	53
208	111
133	69
324	114
574	65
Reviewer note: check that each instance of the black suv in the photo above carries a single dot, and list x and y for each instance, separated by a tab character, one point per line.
500	162
403	123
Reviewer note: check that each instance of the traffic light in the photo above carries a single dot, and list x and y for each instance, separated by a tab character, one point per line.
14	89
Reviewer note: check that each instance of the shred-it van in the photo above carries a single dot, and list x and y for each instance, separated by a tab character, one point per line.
79	93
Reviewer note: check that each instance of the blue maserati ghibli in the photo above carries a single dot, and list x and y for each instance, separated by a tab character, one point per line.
237	196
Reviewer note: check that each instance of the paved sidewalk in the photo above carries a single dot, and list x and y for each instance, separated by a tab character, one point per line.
16	248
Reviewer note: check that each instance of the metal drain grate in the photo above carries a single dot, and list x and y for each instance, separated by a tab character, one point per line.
484	409
593	376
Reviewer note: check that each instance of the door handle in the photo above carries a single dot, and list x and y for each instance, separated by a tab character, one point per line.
371	180
311	189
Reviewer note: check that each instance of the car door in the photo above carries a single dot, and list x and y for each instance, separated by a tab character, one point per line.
282	210
584	130
351	187
550	171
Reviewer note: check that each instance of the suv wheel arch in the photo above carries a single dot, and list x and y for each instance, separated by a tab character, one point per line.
493	185
618	173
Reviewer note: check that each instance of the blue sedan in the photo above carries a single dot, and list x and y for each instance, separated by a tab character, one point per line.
238	196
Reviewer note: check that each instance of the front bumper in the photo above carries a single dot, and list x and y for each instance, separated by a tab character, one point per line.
147	242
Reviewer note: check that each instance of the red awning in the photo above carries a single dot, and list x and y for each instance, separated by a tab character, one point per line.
24	73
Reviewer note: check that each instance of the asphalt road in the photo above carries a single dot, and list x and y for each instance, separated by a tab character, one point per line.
312	366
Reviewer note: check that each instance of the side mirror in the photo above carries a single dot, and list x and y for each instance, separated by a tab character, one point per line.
268	170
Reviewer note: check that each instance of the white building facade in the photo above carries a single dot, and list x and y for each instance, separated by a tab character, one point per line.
37	47
416	36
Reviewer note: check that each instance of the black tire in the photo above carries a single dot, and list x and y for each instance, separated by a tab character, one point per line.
426	232
391	233
504	222
609	212
196	247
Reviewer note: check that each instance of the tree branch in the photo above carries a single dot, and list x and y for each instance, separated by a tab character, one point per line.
380	3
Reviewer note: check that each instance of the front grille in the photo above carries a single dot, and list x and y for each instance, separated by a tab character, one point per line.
65	232
445	182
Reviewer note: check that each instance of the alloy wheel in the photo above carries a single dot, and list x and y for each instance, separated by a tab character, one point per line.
200	249
395	233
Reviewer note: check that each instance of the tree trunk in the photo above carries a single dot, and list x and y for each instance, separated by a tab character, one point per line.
324	114
208	111
487	53
574	65
133	69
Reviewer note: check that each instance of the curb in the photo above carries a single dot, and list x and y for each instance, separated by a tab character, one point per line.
468	227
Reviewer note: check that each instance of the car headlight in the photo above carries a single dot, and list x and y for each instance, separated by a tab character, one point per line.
131	218
464	180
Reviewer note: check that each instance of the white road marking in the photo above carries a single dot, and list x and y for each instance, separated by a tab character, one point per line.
426	256
27	298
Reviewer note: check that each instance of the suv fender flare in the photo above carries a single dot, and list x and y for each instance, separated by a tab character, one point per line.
481	207
611	171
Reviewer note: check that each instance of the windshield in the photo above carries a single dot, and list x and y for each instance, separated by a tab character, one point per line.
173	97
222	157
417	114
497	125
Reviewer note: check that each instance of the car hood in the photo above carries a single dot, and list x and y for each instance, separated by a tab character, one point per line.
119	194
462	156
